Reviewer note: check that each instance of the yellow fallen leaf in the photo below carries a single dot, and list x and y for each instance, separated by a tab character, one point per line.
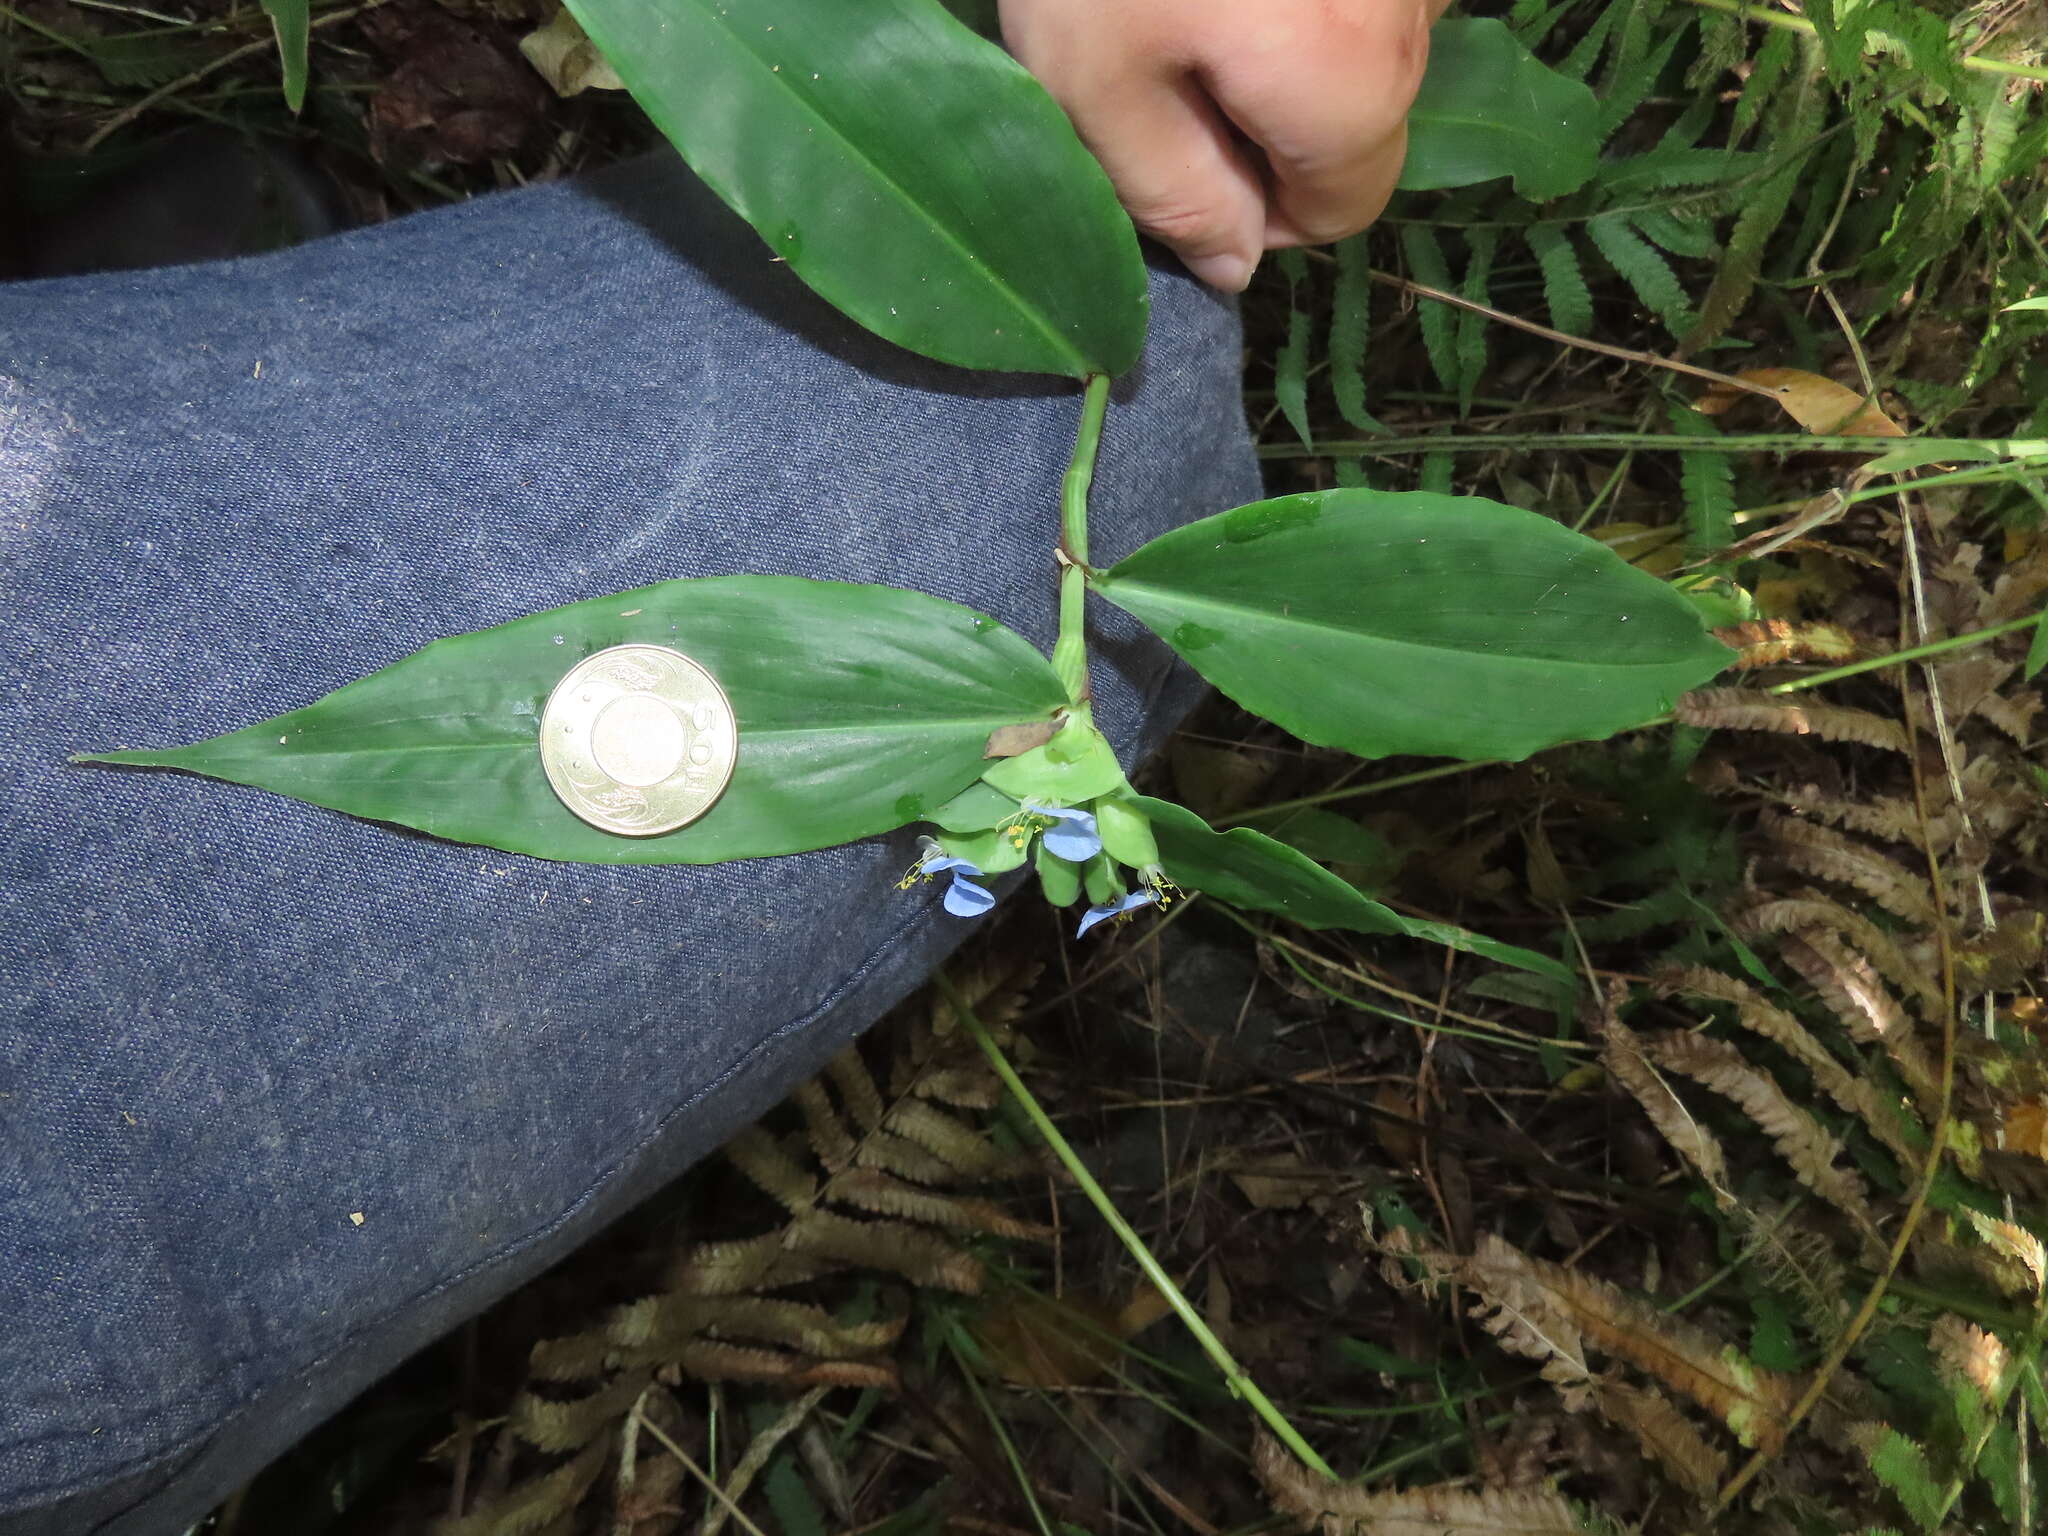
1817	404
568	60
2026	1128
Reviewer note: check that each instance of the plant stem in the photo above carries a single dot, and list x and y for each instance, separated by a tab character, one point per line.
1240	1383
1791	23
1652	442
1070	650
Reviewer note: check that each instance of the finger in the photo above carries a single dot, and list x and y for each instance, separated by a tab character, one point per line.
1174	161
1328	104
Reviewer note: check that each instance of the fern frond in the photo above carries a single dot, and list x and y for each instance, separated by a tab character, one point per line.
873	1190
1642	268
1744	709
1665	170
1351	334
1801	1262
965	1150
1659	1428
1679	235
1802	1141
762	1158
1345	1509
832	1143
536	1504
1848	986
1795	119
1290	363
1810	909
1772	642
1760	1017
554	1426
1621	1053
857	1088
1426	260
1565	293
716	1360
1472	326
893	1247
1832	856
1528	1301
1708	480
1902	1466
1767	71
798	1325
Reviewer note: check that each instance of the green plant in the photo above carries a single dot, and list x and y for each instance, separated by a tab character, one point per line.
795	112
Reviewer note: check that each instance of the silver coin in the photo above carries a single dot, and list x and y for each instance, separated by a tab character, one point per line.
638	740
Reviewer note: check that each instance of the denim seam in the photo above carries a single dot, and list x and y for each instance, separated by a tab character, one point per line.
105	1474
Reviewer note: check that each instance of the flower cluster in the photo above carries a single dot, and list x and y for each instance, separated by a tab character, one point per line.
1077	849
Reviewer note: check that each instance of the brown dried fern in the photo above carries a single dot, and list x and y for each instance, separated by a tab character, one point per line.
871	1183
1744	709
1802	1141
1315	1502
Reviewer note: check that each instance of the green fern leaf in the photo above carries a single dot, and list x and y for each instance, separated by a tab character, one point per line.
1709	482
1902	1466
1472	326
1564	280
1766	74
1630	75
1351	335
1679	236
1661	169
1586	53
1290	367
1648	273
1796	115
1426	262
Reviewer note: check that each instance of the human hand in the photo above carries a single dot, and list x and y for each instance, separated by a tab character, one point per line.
1231	127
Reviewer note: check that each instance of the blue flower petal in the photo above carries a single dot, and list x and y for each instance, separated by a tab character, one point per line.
966	899
1109	909
1072	836
940	865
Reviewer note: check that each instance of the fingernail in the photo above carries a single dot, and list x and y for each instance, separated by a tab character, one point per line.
1230	271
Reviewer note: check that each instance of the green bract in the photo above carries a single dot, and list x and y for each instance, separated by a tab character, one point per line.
909	171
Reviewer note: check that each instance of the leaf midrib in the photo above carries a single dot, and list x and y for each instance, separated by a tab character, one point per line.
1267	616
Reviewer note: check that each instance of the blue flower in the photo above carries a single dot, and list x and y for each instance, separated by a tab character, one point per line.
964	897
1072	835
1123	906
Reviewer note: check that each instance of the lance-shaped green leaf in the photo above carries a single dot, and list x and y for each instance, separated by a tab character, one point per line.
1488	108
909	171
291	21
860	709
1385	622
1251	870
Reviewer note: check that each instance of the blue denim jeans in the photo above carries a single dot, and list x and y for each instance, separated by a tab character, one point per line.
284	1095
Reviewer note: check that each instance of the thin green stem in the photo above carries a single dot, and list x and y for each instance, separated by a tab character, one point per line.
1652	442
1354	791
1786	21
1240	1382
1911	653
1081	470
1070	650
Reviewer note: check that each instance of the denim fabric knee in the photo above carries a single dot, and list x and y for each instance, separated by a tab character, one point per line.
283	1094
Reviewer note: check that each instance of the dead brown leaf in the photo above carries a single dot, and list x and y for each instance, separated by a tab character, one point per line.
1817	404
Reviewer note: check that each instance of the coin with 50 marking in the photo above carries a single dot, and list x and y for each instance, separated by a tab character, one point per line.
638	740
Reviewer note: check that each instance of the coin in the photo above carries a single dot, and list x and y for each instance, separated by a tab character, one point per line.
638	740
